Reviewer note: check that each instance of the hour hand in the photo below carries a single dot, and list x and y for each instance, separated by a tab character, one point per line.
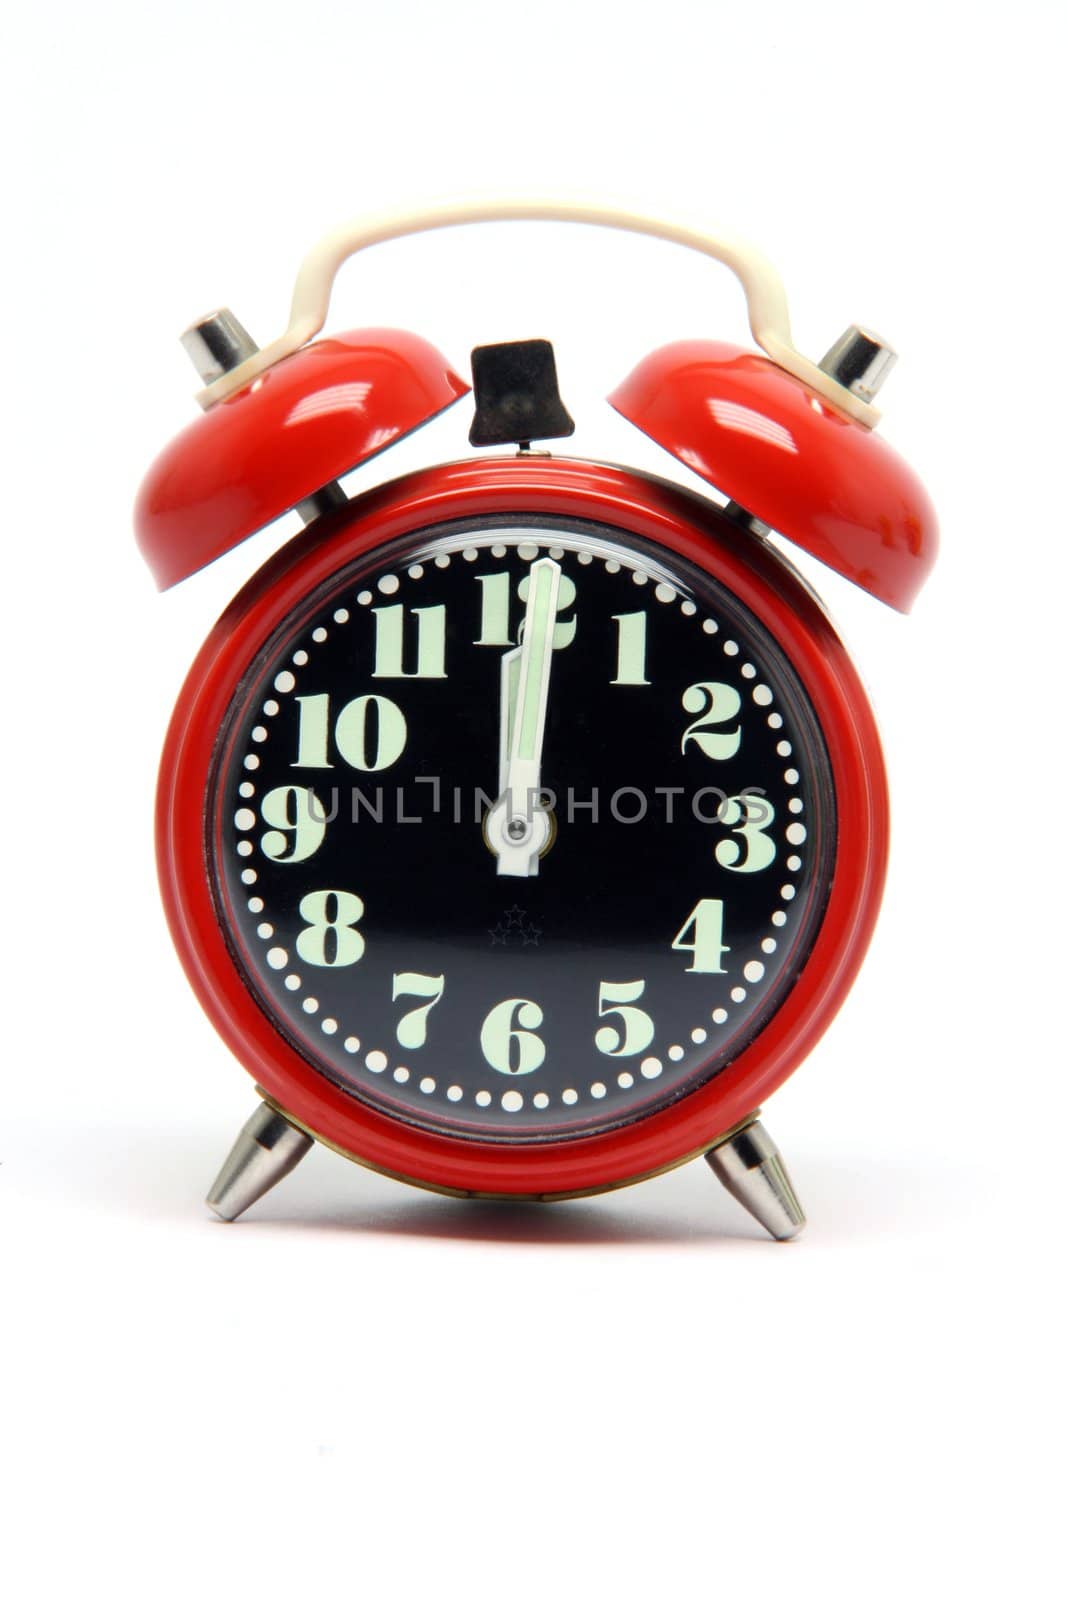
510	666
517	827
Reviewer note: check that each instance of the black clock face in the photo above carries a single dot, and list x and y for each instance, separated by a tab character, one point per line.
521	829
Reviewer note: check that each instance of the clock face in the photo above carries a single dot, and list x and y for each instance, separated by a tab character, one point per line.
520	828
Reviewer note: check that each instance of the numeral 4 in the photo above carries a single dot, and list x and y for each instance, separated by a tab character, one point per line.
701	936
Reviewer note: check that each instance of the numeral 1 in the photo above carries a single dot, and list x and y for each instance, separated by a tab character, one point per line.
313	731
496	608
633	630
389	622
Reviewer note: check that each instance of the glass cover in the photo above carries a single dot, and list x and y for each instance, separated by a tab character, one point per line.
489	682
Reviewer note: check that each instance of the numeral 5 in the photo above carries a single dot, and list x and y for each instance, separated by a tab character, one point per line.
638	1029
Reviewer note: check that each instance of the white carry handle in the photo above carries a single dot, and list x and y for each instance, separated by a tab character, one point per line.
768	313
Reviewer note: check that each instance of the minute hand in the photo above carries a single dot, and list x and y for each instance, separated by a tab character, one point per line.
519	824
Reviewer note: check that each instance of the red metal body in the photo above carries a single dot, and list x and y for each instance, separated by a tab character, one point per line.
809	472
679	521
311	418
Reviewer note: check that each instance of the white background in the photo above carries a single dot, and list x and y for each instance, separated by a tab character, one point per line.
364	1389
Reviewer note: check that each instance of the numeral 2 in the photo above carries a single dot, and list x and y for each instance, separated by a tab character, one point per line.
714	703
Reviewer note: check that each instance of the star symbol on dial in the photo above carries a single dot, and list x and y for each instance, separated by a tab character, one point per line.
516	928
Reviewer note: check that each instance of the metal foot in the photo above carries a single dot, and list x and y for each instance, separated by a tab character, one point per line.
750	1166
268	1147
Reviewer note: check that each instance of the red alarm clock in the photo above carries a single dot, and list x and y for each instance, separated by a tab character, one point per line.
522	824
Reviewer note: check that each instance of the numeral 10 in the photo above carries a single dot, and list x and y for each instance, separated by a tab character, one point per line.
370	732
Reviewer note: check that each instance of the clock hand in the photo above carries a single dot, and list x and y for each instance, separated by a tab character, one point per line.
510	665
517	827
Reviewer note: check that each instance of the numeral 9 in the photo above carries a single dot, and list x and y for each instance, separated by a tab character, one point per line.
297	823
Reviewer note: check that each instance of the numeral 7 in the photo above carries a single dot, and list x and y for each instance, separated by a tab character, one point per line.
411	1029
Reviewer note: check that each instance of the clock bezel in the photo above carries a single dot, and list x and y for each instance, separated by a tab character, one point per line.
682	523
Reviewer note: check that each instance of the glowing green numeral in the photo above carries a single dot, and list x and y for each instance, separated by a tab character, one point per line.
330	938
509	1048
755	814
384	718
714	703
565	630
390	733
633	630
638	1029
313	732
389	642
297	823
705	946
496	608
411	1029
